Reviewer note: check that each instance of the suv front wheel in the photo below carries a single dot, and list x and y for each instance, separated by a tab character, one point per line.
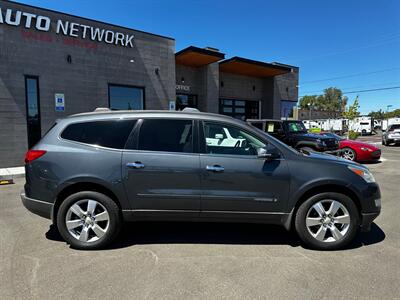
327	221
88	220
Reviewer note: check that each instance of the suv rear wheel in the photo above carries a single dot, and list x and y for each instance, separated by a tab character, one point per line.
327	221
88	220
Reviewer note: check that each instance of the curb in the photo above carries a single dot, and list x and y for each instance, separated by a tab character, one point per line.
12	173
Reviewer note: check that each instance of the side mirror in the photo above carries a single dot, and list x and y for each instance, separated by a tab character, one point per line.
219	136
268	154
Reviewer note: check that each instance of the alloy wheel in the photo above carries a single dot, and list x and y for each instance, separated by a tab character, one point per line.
328	221
87	220
348	154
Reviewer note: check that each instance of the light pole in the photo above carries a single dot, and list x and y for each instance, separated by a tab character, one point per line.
310	107
388	107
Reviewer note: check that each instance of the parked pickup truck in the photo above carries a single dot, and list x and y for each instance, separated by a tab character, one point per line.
295	134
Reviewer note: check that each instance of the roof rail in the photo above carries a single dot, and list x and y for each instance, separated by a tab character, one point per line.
190	109
102	109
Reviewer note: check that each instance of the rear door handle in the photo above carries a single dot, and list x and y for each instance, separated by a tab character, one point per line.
215	168
135	165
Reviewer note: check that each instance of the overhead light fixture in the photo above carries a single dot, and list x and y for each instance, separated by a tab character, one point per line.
132	60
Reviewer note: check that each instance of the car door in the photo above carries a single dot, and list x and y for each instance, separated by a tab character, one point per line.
235	180
160	169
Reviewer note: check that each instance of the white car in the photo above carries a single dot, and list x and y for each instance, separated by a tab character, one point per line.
392	135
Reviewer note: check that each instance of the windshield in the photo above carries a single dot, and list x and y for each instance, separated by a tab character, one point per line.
296	127
395	126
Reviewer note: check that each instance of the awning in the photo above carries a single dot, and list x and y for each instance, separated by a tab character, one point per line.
244	66
197	57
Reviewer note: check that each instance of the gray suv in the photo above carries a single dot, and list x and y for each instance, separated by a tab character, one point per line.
93	171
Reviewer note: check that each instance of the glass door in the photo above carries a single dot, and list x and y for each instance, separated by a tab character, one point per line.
32	110
239	109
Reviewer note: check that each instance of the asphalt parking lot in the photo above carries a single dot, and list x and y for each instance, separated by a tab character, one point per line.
172	261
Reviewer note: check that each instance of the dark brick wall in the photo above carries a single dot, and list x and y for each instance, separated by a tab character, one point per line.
84	82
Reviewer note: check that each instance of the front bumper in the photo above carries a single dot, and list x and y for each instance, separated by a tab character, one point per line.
38	207
371	209
367	219
390	140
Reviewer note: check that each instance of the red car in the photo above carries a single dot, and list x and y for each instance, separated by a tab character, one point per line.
356	151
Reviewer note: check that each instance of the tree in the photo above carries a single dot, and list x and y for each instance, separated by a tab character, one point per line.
332	101
393	114
352	112
305	100
379	115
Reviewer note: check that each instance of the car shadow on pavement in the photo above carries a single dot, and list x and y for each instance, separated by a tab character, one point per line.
142	233
375	162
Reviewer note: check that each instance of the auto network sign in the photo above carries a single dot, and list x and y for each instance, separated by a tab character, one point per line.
66	28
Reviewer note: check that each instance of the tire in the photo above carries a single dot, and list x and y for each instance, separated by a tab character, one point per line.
349	154
383	142
319	236
91	227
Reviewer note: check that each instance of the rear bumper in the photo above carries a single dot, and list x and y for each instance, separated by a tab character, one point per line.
38	207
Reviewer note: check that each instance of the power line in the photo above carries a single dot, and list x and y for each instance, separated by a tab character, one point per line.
379	42
352	75
356	87
365	91
373	90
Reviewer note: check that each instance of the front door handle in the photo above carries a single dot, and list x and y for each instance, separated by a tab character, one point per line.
135	165
215	168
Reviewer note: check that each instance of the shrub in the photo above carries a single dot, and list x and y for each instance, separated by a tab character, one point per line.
353	135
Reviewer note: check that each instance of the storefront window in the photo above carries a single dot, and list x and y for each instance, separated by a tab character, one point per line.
125	97
287	108
239	109
184	100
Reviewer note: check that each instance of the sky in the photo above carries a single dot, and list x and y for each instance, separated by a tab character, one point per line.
353	45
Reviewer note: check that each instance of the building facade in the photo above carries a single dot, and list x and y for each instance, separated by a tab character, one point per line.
54	64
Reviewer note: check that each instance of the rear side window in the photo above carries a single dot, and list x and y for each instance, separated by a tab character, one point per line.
110	133
166	135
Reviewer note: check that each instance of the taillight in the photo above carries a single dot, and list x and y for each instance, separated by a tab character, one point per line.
31	155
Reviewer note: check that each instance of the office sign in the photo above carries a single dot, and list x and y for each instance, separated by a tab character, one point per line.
59	102
181	87
66	28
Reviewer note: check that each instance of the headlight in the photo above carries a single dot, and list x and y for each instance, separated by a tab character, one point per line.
364	173
365	149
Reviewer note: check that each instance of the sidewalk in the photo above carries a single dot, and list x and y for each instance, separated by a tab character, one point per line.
12	173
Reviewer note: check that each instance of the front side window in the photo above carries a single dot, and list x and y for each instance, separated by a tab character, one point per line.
166	135
110	133
125	97
226	139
